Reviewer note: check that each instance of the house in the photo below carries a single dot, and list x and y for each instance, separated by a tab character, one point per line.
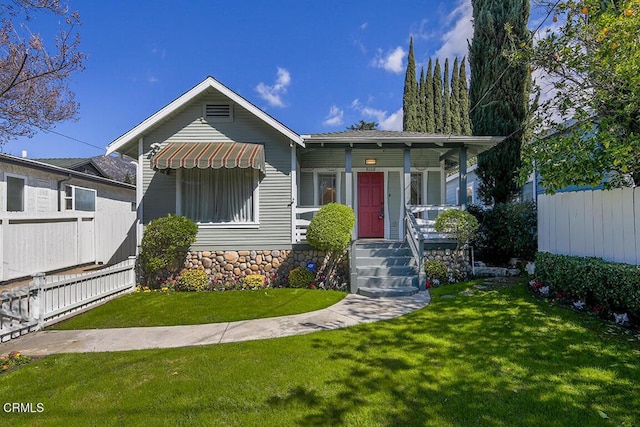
117	168
252	184
54	218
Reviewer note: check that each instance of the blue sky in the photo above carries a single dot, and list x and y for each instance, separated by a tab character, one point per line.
316	66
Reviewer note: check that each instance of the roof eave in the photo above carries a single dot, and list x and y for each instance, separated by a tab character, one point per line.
121	144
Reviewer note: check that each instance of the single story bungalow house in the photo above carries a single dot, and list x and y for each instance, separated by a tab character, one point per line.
252	184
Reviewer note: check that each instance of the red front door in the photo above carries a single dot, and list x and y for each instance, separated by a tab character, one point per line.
370	204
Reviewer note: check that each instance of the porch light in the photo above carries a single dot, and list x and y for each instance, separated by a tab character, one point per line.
370	162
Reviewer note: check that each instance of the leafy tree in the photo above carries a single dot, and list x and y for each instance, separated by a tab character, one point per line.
430	117
33	74
410	96
362	125
461	224
437	98
456	116
592	62
499	93
446	99
463	91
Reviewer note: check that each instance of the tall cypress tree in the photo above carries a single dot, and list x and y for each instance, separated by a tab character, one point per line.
499	93
430	118
437	97
421	103
446	99
455	100
465	122
410	96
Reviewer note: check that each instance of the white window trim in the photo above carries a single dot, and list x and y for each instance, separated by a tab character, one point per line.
228	119
205	225
24	191
316	171
73	197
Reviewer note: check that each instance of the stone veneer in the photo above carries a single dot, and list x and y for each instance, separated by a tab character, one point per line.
274	264
456	260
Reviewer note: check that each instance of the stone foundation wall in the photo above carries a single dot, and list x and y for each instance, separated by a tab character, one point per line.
274	264
457	261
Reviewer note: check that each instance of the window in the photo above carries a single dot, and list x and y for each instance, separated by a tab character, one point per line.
327	188
219	195
218	112
416	188
79	199
15	193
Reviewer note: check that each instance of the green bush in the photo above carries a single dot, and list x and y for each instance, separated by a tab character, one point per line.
508	230
253	281
163	247
613	287
461	224
300	277
436	270
191	281
330	229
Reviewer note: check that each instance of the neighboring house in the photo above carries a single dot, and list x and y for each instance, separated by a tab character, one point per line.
117	168
53	218
251	183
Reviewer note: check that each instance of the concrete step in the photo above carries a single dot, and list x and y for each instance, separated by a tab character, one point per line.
383	252
389	244
386	282
388	292
381	271
385	261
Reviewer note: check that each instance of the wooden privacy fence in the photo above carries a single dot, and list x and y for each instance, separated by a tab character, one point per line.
598	223
50	299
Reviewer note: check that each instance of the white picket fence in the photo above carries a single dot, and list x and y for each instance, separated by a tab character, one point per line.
50	299
598	223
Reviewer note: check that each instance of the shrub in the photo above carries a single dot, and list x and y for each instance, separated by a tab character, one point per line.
300	277
612	286
191	281
330	228
164	243
461	224
330	231
254	281
508	230
436	270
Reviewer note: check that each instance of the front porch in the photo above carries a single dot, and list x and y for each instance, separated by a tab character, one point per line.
394	182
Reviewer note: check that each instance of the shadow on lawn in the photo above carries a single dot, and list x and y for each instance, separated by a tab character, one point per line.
492	358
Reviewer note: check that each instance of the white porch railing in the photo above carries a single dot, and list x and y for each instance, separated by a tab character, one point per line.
303	223
50	299
425	219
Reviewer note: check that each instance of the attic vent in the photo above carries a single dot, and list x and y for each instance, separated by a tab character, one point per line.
218	112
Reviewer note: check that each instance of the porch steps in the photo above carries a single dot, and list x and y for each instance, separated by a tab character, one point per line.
385	268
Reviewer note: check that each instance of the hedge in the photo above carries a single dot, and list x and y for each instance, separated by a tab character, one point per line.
612	286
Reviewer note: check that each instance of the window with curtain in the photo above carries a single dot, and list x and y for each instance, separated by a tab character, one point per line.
327	188
219	195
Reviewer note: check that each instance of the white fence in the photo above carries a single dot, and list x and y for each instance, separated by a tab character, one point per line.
44	242
50	299
599	223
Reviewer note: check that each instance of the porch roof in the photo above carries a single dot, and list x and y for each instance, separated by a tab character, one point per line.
388	139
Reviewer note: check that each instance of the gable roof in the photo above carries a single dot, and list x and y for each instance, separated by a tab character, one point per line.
113	167
122	143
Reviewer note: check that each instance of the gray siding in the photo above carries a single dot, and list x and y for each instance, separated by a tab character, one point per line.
274	231
386	157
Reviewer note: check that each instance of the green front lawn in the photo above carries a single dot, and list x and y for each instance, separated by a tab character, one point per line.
192	308
495	358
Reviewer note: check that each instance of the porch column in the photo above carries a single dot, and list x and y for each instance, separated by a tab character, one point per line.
407	176
348	178
462	183
139	195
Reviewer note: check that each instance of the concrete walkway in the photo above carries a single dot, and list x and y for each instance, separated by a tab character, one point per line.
352	310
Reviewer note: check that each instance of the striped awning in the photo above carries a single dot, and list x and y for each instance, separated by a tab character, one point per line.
214	155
